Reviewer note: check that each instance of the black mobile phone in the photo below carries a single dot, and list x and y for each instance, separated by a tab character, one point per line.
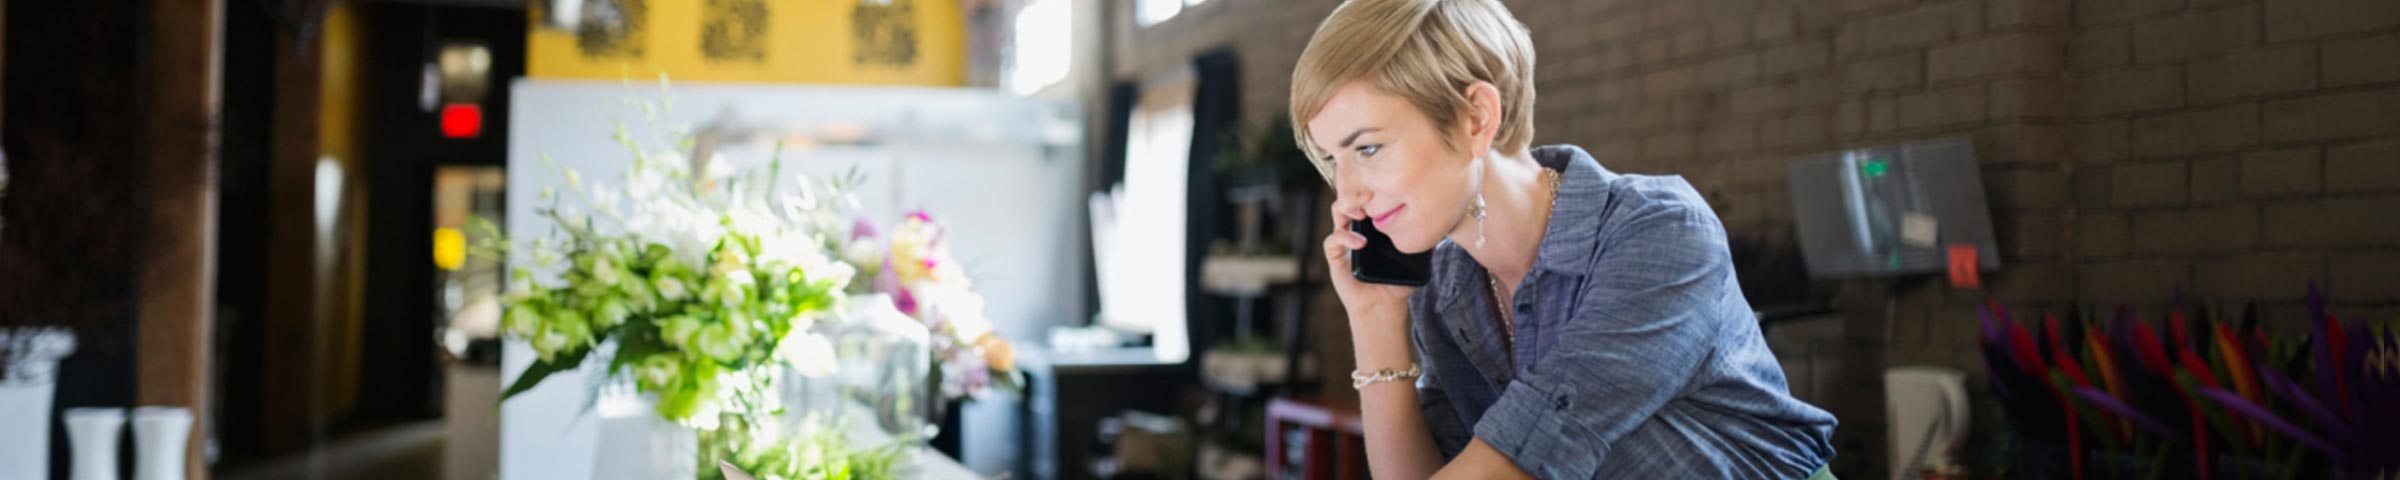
1381	262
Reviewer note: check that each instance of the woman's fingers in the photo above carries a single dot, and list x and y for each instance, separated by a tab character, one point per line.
1342	243
1337	255
1337	251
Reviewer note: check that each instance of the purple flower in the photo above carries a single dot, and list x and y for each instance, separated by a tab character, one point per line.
862	229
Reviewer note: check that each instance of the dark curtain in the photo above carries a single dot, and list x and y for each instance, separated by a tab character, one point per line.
1216	111
245	147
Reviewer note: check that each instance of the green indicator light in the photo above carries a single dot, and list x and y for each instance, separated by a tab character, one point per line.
1875	167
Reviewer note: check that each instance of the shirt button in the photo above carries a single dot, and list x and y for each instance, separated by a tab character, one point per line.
1524	308
1561	401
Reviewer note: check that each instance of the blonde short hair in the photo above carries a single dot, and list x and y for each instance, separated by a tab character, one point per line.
1425	51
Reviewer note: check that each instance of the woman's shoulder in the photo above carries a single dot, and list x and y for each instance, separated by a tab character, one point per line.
1588	186
1660	198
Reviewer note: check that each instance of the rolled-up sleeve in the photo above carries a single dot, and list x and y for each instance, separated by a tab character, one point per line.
1637	337
1450	433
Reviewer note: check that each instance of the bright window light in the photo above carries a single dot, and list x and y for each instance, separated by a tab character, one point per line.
1045	33
1150	12
1147	294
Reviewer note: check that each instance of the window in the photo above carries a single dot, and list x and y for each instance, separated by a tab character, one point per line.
1043	46
1150	12
1142	250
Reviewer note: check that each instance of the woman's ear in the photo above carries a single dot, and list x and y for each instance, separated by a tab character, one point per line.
1483	115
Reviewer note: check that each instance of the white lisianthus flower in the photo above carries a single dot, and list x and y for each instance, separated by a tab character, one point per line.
611	313
817	267
520	286
678	331
877	311
729	259
804	321
603	198
572	217
604	270
837	273
752	216
645	184
863	252
782	249
668	162
657	370
569	319
962	308
670	288
705	412
548	342
722	342
808	353
690	235
521	321
638	294
733	288
718	169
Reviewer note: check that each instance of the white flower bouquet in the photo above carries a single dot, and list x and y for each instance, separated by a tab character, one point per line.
707	279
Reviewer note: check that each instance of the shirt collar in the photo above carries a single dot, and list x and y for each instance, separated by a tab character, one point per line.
1568	243
1576	217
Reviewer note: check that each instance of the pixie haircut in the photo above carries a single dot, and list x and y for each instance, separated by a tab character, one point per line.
1426	52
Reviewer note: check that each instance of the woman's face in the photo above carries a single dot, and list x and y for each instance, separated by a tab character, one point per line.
1391	165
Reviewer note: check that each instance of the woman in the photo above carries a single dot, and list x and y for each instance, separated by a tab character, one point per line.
1580	323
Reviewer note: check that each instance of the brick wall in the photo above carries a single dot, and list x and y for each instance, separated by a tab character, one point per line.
2237	149
2234	149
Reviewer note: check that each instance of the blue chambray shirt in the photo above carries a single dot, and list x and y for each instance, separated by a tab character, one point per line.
1636	355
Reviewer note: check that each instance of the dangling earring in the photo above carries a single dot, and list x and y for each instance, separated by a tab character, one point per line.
1479	223
1479	210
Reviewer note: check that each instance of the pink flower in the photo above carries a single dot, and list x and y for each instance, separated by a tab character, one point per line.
889	282
905	302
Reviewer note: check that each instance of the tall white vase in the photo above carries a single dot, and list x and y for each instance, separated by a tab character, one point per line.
27	386
160	435
92	438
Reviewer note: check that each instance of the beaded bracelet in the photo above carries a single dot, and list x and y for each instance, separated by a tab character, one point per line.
1360	381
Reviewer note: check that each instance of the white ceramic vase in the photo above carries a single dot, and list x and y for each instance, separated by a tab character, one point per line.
28	384
160	435
92	438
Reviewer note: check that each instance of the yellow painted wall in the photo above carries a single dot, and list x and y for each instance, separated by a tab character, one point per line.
806	41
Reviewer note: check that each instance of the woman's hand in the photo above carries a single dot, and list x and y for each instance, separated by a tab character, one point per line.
1398	443
1364	301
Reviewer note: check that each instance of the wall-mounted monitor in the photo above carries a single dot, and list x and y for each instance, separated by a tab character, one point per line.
1892	210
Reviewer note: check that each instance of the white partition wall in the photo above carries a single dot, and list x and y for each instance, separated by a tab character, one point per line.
1000	171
